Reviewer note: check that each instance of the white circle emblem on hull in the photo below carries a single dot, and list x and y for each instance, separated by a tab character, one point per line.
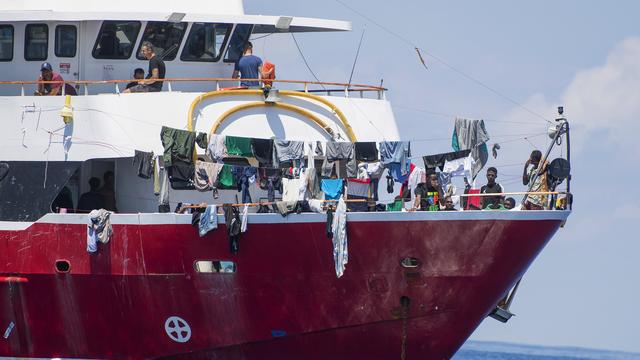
177	329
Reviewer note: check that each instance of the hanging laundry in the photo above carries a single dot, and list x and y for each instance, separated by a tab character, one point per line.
344	151
181	172
291	189
374	171
206	176
263	152
332	188
99	229
473	202
270	180
396	152
217	148
461	167
156	175
240	146
438	160
144	160
286	207
302	190
288	150
234	225
340	242
244	176
313	184
208	220
202	141
471	135
315	206
328	229
494	150
178	145
366	151
245	215
417	176
358	190
225	178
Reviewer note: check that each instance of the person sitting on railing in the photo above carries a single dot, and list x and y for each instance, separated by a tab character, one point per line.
429	195
157	71
52	89
532	168
248	66
492	187
138	74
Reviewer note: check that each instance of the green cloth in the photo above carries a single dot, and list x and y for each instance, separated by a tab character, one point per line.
500	207
225	178
395	206
178	144
237	145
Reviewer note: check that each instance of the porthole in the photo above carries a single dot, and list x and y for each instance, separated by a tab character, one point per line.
410	262
63	266
215	266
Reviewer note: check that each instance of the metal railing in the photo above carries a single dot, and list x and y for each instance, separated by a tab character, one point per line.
343	88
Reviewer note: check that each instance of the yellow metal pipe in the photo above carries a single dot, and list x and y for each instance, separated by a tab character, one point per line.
319	99
296	109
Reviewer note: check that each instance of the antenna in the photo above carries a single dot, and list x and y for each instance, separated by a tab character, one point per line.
353	68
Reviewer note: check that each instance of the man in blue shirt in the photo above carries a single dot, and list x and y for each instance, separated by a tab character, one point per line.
249	66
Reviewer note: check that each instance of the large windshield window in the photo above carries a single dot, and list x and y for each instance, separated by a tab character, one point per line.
66	36
36	42
6	42
165	37
236	44
116	39
205	42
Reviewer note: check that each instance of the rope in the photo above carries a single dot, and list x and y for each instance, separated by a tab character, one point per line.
305	60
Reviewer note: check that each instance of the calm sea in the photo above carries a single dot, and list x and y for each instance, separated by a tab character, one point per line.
481	350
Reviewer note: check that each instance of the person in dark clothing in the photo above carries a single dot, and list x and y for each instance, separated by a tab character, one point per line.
64	200
492	187
91	200
157	71
448	204
429	195
138	74
108	191
248	66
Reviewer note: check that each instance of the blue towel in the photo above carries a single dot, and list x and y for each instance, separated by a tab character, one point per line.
332	188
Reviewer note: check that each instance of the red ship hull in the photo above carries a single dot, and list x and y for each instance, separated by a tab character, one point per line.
283	302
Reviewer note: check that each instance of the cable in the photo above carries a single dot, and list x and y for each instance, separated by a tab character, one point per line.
449	116
262	37
305	60
451	67
353	68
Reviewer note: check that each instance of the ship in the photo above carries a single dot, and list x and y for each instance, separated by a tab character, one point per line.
417	283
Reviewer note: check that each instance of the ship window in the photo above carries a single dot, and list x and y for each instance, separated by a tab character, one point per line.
66	41
63	266
116	39
165	37
236	44
209	266
36	42
205	42
6	42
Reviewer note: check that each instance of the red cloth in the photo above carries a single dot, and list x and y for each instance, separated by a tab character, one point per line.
473	200
404	184
268	72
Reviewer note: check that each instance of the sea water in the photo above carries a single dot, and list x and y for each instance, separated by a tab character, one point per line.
481	350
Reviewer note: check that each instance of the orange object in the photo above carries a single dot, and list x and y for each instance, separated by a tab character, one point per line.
268	72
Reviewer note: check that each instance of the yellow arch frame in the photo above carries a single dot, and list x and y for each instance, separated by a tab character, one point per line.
330	105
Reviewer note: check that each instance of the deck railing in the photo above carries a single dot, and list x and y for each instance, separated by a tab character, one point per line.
307	86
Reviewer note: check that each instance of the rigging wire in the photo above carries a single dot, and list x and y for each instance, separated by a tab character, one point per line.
446	64
305	60
353	68
450	116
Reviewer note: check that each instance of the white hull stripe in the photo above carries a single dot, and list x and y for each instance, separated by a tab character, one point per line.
173	219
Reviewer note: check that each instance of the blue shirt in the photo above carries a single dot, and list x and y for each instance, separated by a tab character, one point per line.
248	68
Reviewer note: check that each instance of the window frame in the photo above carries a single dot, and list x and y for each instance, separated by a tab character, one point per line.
224	59
223	46
142	40
13	42
26	32
55	42
135	40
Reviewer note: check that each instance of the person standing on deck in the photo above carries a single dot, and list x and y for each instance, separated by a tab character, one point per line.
532	167
492	187
108	191
248	66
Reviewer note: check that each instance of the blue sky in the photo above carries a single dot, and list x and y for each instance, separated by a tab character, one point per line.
583	290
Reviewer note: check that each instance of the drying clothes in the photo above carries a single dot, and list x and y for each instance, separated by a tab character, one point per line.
144	160
206	176
287	207
358	188
471	135
263	151
225	177
473	202
438	160
340	243
245	215
302	190
375	169
163	195
459	167
417	176
243	176
289	150
234	225
202	141
366	151
315	206
329	225
398	172
313	184
291	189
342	151
208	220
217	148
396	152
237	145
270	180
332	188
178	144
182	171
394	206
156	175
99	229
494	150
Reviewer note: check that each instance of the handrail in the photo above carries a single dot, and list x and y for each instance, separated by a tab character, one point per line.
349	87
